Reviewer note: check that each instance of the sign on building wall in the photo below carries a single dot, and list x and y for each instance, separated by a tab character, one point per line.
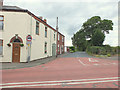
29	39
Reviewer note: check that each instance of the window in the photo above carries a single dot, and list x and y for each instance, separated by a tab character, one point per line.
45	31
54	35
62	48
62	39
58	48
45	47
1	22
1	47
37	28
58	37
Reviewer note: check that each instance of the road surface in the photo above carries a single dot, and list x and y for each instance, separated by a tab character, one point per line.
75	70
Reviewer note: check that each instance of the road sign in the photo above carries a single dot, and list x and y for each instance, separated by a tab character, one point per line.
28	42
29	38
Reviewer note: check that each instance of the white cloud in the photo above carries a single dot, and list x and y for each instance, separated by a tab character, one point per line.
72	13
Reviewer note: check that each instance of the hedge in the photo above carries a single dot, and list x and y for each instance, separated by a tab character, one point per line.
103	50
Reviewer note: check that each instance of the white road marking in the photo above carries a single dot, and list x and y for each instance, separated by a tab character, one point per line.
96	64
61	81
81	62
110	63
58	84
92	60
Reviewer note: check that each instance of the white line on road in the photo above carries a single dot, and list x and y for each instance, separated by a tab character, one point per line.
81	62
58	84
61	81
93	60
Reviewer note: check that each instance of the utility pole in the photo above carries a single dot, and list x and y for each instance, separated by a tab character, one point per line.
57	37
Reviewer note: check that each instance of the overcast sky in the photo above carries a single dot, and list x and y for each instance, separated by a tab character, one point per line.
72	14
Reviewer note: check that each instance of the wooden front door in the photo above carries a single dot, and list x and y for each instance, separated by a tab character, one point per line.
16	52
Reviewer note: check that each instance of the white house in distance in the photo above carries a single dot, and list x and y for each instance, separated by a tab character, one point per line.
25	37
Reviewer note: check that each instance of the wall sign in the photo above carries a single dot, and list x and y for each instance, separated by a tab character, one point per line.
29	38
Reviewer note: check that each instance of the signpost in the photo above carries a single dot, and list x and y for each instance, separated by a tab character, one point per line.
29	42
29	38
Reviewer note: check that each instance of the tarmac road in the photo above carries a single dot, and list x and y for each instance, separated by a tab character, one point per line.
73	70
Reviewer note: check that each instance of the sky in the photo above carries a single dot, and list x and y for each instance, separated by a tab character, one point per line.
72	14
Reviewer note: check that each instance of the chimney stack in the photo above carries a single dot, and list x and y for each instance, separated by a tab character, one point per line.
1	2
57	24
45	20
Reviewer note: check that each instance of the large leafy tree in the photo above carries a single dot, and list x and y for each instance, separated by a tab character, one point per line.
86	35
98	38
94	23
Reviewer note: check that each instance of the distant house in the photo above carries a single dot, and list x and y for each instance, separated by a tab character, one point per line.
26	37
60	44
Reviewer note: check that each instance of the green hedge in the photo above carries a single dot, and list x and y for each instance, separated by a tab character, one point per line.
103	50
72	49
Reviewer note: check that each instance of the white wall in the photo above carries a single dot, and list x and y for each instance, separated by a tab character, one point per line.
38	42
14	23
23	24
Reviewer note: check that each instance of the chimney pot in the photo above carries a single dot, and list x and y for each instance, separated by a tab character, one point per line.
41	17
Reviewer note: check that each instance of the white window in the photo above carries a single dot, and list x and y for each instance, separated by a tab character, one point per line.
58	48
54	36
45	47
1	47
1	22
45	31
37	28
62	48
58	37
62	39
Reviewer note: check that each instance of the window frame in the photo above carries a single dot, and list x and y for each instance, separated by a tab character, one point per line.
1	44
46	31
58	48
54	36
62	39
2	21
58	37
37	28
45	51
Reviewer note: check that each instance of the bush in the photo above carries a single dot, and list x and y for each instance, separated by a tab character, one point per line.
108	55
96	50
72	48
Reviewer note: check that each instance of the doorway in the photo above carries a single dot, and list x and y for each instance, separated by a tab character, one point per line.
16	40
16	52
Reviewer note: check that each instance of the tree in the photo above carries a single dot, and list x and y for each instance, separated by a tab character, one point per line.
92	32
95	23
98	38
79	41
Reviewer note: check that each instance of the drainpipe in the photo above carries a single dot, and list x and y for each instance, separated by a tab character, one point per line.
50	43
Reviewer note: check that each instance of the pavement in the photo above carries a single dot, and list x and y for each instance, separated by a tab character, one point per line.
29	64
70	70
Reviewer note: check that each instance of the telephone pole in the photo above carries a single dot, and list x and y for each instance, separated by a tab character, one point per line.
57	37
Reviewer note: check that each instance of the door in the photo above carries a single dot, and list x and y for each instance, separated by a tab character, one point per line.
53	49
16	52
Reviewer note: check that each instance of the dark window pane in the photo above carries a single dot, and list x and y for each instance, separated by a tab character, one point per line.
1	25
